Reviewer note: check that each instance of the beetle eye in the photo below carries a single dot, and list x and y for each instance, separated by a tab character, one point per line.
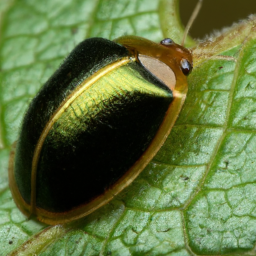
186	67
167	41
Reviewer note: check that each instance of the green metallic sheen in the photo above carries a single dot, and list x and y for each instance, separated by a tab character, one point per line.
99	136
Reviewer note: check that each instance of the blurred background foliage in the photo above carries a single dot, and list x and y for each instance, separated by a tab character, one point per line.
216	14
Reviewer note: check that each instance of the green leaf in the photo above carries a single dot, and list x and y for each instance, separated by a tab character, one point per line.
198	194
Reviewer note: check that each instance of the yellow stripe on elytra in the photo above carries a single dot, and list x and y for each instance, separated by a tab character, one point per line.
78	91
123	82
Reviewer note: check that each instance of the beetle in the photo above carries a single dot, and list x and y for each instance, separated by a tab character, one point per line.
95	124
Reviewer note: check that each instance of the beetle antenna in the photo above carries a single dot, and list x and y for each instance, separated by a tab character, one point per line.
191	20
